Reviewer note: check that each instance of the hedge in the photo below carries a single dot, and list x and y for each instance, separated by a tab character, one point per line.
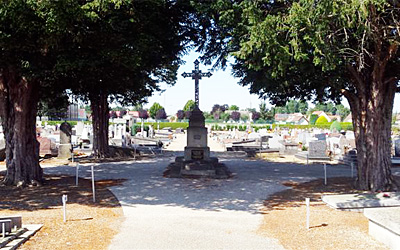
172	125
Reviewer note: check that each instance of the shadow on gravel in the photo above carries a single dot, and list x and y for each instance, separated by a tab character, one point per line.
253	182
48	196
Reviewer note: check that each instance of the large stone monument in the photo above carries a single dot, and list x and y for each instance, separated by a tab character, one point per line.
196	162
64	150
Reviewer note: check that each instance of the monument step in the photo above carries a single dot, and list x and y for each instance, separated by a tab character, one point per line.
357	202
384	225
17	238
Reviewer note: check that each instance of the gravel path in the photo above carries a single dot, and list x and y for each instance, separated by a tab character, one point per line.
164	213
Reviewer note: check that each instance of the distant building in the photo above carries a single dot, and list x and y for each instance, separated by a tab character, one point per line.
335	118
134	114
348	118
297	119
75	113
281	118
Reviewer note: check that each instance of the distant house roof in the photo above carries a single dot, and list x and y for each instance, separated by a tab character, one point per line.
348	118
134	113
335	117
318	113
281	117
295	117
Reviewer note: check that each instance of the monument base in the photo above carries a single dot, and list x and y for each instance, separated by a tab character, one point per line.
211	168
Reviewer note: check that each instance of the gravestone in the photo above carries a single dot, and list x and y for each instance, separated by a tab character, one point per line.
321	137
197	148
79	128
47	146
64	150
317	149
196	162
397	148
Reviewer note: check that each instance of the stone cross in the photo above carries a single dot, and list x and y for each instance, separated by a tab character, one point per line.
196	76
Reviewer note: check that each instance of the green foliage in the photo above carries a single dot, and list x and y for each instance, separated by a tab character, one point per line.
234	108
189	106
224	116
53	104
58	123
313	119
321	120
154	109
172	125
336	126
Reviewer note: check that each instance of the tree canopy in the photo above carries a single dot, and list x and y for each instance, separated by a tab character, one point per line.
189	106
154	109
320	50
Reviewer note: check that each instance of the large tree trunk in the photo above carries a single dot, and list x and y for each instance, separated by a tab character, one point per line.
372	116
100	117
18	108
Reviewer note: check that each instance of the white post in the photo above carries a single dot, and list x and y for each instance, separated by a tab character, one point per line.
308	213
64	201
352	166
142	128
93	188
77	174
307	159
3	229
325	182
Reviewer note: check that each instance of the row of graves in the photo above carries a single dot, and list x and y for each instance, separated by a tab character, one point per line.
315	144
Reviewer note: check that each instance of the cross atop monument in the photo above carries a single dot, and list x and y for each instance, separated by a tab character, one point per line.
196	76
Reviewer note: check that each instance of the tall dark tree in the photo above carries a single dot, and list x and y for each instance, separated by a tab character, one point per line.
327	49
143	114
121	51
235	116
255	115
180	114
161	114
30	39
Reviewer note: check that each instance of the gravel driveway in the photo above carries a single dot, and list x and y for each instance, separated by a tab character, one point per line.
163	213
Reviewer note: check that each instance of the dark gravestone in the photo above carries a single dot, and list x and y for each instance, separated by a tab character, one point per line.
64	151
397	148
321	137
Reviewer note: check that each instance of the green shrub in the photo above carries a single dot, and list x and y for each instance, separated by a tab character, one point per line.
313	119
172	125
336	126
321	120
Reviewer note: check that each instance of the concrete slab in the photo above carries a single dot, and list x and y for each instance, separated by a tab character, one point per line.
384	225
358	202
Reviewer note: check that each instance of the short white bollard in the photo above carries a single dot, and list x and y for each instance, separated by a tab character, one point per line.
77	175
325	182
308	213
352	167
93	188
64	201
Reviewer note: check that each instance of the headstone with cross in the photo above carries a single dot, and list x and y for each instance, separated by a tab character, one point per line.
196	161
196	76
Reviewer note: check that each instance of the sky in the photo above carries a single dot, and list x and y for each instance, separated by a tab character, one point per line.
221	88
